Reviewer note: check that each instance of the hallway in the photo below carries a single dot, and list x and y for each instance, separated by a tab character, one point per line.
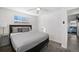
73	43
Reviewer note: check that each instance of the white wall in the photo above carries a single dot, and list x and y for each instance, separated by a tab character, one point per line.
53	22
7	16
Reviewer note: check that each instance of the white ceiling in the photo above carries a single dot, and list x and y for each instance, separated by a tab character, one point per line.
73	11
34	11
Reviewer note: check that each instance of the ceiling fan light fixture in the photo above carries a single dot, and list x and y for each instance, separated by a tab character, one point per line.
38	9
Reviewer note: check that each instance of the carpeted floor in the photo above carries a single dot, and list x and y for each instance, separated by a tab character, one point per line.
52	47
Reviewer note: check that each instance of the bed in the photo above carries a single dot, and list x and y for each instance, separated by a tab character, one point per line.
27	40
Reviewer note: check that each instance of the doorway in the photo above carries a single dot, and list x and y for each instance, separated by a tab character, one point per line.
73	30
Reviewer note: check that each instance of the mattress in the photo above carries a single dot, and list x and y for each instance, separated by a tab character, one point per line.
24	41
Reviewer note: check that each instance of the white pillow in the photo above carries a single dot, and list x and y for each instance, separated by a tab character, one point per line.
20	29
14	30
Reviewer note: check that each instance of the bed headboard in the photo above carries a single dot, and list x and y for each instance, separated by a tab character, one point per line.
11	27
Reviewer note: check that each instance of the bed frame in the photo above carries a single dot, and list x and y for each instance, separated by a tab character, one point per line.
34	49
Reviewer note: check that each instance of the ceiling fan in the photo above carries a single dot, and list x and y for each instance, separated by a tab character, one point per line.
37	10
